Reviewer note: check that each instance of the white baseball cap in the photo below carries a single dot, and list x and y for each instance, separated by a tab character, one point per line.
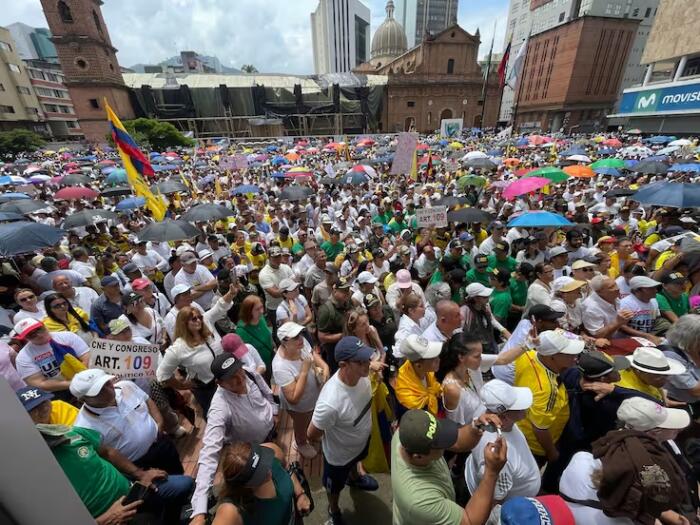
289	330
553	342
89	382
178	289
203	254
557	250
366	278
288	285
498	397
416	347
27	326
642	281
478	290
566	284
644	414
653	361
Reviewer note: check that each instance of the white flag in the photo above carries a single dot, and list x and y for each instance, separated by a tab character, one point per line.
517	68
329	170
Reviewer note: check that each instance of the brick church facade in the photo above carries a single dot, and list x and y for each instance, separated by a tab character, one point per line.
89	62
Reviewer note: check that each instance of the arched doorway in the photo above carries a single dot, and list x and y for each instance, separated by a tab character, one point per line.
446	113
409	124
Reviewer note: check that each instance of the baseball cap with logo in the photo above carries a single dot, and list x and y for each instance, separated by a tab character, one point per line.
275	251
674	278
644	414
370	300
595	364
256	469
288	285
553	342
416	347
642	281
342	284
542	510
501	245
31	397
89	382
225	365
140	284
233	344
481	260
26	326
118	325
499	397
350	348
420	432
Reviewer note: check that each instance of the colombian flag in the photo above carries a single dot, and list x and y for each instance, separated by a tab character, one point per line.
136	165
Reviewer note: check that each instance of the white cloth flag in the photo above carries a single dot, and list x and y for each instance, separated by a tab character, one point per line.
517	68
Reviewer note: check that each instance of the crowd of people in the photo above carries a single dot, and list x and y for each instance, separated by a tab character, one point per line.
502	374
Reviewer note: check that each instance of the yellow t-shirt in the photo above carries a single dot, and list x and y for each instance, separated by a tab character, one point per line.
480	237
628	379
550	404
652	239
73	323
285	244
662	258
63	413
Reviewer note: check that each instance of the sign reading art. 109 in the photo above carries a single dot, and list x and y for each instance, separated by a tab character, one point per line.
435	217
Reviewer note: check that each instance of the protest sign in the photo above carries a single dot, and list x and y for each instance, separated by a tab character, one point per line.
126	360
227	163
403	156
435	217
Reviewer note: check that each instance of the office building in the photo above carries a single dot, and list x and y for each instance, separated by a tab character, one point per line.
419	17
667	100
532	17
340	33
33	43
57	106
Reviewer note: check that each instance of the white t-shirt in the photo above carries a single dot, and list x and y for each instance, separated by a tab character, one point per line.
252	360
33	359
285	373
519	477
624	286
644	313
24	314
200	276
271	278
337	409
284	313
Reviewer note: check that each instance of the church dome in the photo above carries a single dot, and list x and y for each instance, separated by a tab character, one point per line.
389	40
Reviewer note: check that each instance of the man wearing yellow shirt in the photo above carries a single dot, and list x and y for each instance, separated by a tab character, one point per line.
539	371
62	413
649	372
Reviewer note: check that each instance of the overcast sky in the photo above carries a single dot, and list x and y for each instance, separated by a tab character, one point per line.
274	35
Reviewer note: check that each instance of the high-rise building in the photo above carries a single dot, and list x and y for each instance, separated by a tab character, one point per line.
340	33
419	17
54	98
19	107
33	43
89	63
532	17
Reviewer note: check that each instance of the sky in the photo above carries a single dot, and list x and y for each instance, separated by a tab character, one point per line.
273	35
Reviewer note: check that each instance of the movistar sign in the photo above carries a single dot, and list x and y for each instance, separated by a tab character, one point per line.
673	98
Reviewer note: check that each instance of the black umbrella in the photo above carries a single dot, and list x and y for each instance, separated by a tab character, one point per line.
620	192
9	216
170	186
469	215
117	191
24	206
86	217
330	181
168	230
480	164
650	167
26	237
206	212
451	201
76	179
295	193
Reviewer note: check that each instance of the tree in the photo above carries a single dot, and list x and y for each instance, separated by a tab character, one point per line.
152	133
249	68
19	141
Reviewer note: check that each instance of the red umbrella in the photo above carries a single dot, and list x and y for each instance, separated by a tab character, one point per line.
71	165
75	193
523	171
421	147
613	143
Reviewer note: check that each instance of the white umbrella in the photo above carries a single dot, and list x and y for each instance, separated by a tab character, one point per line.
668	150
475	155
680	142
631	151
579	158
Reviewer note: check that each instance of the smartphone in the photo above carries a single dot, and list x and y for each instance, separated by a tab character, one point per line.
490	427
138	491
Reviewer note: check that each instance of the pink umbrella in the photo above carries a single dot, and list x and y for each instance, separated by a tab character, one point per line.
500	184
57	179
522	186
70	165
613	143
75	193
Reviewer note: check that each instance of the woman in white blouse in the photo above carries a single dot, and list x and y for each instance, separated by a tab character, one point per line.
144	321
412	320
294	307
29	306
540	291
194	349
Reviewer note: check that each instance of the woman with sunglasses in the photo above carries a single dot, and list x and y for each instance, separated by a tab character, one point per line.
193	350
61	316
29	306
143	320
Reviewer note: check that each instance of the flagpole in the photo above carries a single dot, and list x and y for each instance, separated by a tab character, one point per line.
484	88
519	84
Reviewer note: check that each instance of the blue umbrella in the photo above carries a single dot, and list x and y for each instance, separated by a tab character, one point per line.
118	175
13	196
660	139
277	175
443	142
522	142
164	167
689	167
355	178
130	204
245	188
494	152
154	154
673	194
158	158
108	169
539	219
278	160
656	158
26	237
607	151
7	216
271	148
574	150
631	163
607	171
87	158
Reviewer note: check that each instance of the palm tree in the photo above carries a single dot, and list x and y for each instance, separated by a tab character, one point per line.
249	68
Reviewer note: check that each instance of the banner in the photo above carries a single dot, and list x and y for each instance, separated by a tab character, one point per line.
238	162
451	127
403	156
126	360
435	217
679	98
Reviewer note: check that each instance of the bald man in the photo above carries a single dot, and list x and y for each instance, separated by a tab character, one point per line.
448	320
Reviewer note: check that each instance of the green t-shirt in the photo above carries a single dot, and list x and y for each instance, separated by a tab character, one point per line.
518	291
382	219
332	250
500	302
473	276
509	264
680	306
397	227
274	511
260	337
422	494
436	278
97	482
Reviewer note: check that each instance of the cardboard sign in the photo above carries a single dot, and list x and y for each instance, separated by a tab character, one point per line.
125	360
435	217
403	156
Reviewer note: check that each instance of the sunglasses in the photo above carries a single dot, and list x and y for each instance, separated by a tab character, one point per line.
196	318
26	298
63	304
586	269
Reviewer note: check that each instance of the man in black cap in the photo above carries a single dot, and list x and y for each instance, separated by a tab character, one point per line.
422	487
330	319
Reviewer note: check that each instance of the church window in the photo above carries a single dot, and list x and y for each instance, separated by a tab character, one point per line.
450	66
64	12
